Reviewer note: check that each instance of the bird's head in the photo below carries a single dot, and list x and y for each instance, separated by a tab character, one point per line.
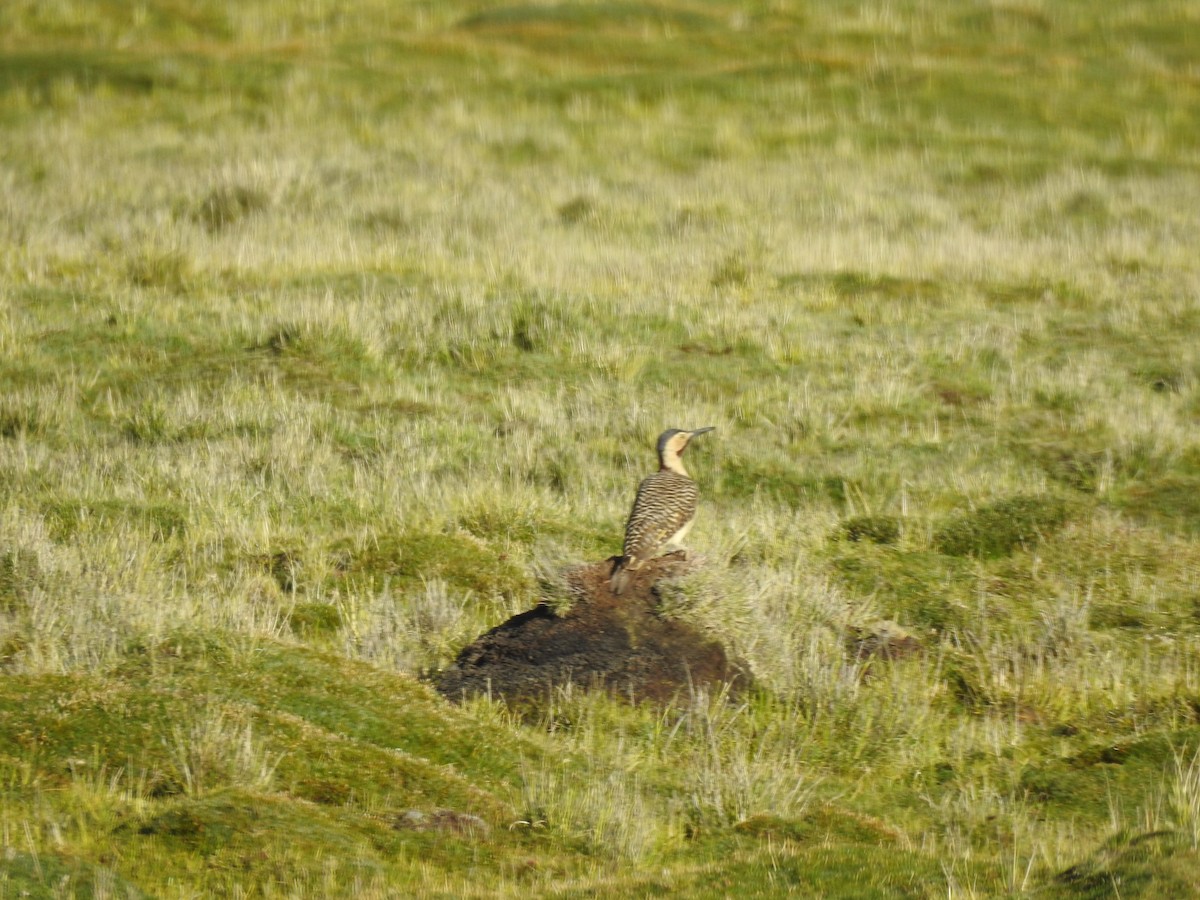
672	443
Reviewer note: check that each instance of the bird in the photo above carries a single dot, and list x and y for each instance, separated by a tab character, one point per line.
663	510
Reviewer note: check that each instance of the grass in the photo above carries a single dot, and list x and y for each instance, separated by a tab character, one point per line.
329	335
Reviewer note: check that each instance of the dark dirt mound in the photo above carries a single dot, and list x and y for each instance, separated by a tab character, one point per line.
619	643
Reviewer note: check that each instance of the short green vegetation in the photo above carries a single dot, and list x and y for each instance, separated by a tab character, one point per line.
330	333
997	529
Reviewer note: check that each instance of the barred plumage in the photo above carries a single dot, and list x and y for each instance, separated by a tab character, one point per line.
663	510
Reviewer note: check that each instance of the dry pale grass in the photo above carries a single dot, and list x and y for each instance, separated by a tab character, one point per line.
362	347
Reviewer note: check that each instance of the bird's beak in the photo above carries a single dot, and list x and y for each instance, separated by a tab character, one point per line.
692	434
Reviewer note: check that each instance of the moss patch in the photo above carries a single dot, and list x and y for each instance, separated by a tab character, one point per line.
461	560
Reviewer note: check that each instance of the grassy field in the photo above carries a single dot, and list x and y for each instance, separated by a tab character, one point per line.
331	332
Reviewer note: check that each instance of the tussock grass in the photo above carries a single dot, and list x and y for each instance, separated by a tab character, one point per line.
219	751
330	337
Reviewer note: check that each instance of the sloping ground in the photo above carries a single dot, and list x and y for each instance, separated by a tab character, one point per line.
209	768
618	642
1153	864
215	764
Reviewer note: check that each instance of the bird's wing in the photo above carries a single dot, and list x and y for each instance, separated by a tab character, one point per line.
665	502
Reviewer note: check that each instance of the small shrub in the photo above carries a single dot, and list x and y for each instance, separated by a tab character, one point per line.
20	572
1079	468
537	325
168	270
284	566
148	424
286	337
313	619
225	206
19	419
576	210
732	271
1160	377
876	529
1000	528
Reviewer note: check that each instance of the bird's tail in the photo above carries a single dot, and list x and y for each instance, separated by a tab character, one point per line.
620	575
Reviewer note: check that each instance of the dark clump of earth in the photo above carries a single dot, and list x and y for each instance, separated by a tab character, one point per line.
618	643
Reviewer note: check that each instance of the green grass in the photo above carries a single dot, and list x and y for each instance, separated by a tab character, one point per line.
329	334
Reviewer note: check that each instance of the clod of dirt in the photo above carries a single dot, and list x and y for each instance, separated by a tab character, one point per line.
619	643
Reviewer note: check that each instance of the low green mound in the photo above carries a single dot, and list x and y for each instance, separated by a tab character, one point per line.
997	529
221	765
215	765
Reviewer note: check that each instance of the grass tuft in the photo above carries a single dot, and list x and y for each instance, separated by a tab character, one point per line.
999	528
228	205
332	335
877	529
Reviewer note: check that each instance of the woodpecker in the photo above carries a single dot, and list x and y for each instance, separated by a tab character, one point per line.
663	510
